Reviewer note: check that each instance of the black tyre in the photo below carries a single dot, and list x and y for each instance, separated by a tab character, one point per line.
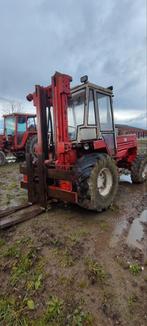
30	145
97	182
139	169
2	158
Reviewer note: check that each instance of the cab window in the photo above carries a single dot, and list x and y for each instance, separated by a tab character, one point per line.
31	124
91	110
75	113
21	124
10	126
105	115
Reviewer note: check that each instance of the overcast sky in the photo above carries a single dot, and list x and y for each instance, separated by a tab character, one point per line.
105	39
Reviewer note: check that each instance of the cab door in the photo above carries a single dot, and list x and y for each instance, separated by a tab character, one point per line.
106	121
21	129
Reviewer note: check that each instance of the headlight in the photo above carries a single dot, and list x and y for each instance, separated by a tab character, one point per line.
86	146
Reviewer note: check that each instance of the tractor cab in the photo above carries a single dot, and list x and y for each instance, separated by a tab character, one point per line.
16	128
90	114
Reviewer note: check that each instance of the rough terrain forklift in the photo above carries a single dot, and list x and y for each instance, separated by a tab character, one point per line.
19	135
78	154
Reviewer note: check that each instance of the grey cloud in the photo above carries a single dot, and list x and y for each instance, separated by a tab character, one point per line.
105	39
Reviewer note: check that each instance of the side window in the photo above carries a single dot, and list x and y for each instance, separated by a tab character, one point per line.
31	124
72	123
104	111
91	111
21	125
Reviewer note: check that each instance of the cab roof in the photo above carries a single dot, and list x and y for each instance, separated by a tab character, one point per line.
20	115
98	88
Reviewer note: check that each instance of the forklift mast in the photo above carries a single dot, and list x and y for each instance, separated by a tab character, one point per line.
56	96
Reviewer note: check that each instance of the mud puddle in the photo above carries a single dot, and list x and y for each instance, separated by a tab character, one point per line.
136	231
119	229
134	235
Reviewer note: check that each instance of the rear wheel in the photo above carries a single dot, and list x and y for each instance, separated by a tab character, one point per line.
139	169
30	145
97	184
2	158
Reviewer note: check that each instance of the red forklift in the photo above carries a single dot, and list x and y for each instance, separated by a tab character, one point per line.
19	136
78	154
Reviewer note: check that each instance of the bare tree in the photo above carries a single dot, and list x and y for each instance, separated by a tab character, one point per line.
10	106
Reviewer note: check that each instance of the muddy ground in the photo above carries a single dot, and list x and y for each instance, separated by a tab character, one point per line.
74	267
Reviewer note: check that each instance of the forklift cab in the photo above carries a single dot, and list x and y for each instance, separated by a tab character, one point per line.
90	114
15	128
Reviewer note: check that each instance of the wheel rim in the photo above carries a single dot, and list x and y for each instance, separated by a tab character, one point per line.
144	172
104	181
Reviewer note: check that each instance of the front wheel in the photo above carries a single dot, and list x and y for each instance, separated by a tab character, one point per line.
98	185
139	169
2	158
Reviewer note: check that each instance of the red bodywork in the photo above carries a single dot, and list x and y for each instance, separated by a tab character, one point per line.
57	165
16	143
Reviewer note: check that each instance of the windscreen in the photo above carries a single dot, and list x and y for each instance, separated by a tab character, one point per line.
10	126
75	113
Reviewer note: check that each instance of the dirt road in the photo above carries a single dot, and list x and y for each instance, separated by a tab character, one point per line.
74	267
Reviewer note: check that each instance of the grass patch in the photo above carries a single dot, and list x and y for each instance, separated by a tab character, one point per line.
22	266
58	313
35	283
12	186
135	269
132	299
80	318
54	311
64	257
95	271
2	242
14	251
75	237
11	313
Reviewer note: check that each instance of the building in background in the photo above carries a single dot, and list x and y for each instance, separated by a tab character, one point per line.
125	129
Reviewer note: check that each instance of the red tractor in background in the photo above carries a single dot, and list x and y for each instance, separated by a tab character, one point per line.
19	136
78	152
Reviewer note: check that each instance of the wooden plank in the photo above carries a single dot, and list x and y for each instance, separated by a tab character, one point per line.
7	211
14	219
